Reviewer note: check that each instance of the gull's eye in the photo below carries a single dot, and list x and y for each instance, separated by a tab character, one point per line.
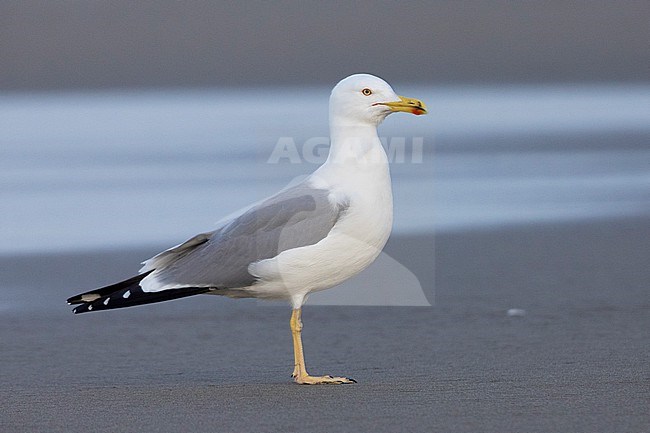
366	91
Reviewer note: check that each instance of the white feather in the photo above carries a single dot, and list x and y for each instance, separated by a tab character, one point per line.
357	175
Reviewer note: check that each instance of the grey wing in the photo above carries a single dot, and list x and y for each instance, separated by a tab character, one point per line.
295	217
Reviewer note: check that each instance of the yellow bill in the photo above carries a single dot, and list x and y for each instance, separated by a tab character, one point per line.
409	105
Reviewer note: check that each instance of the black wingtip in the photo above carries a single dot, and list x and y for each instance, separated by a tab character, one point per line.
84	298
93	295
83	308
132	296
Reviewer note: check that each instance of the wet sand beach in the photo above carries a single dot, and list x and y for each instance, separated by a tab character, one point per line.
576	360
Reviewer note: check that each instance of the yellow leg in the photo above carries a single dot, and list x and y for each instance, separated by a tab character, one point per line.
300	374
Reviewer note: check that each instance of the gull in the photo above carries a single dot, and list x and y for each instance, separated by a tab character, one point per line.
308	237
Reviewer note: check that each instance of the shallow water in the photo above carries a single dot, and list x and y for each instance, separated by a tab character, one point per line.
125	169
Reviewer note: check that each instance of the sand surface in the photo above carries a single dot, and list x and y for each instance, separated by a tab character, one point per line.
577	360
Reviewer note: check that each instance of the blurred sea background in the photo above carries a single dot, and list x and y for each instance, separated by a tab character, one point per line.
522	214
127	124
117	169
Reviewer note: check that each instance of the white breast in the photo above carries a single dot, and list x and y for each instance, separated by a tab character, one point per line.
354	242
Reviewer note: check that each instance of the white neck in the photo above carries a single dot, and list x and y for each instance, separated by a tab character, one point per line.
354	143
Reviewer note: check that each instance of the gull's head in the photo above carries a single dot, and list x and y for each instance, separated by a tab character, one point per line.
366	99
